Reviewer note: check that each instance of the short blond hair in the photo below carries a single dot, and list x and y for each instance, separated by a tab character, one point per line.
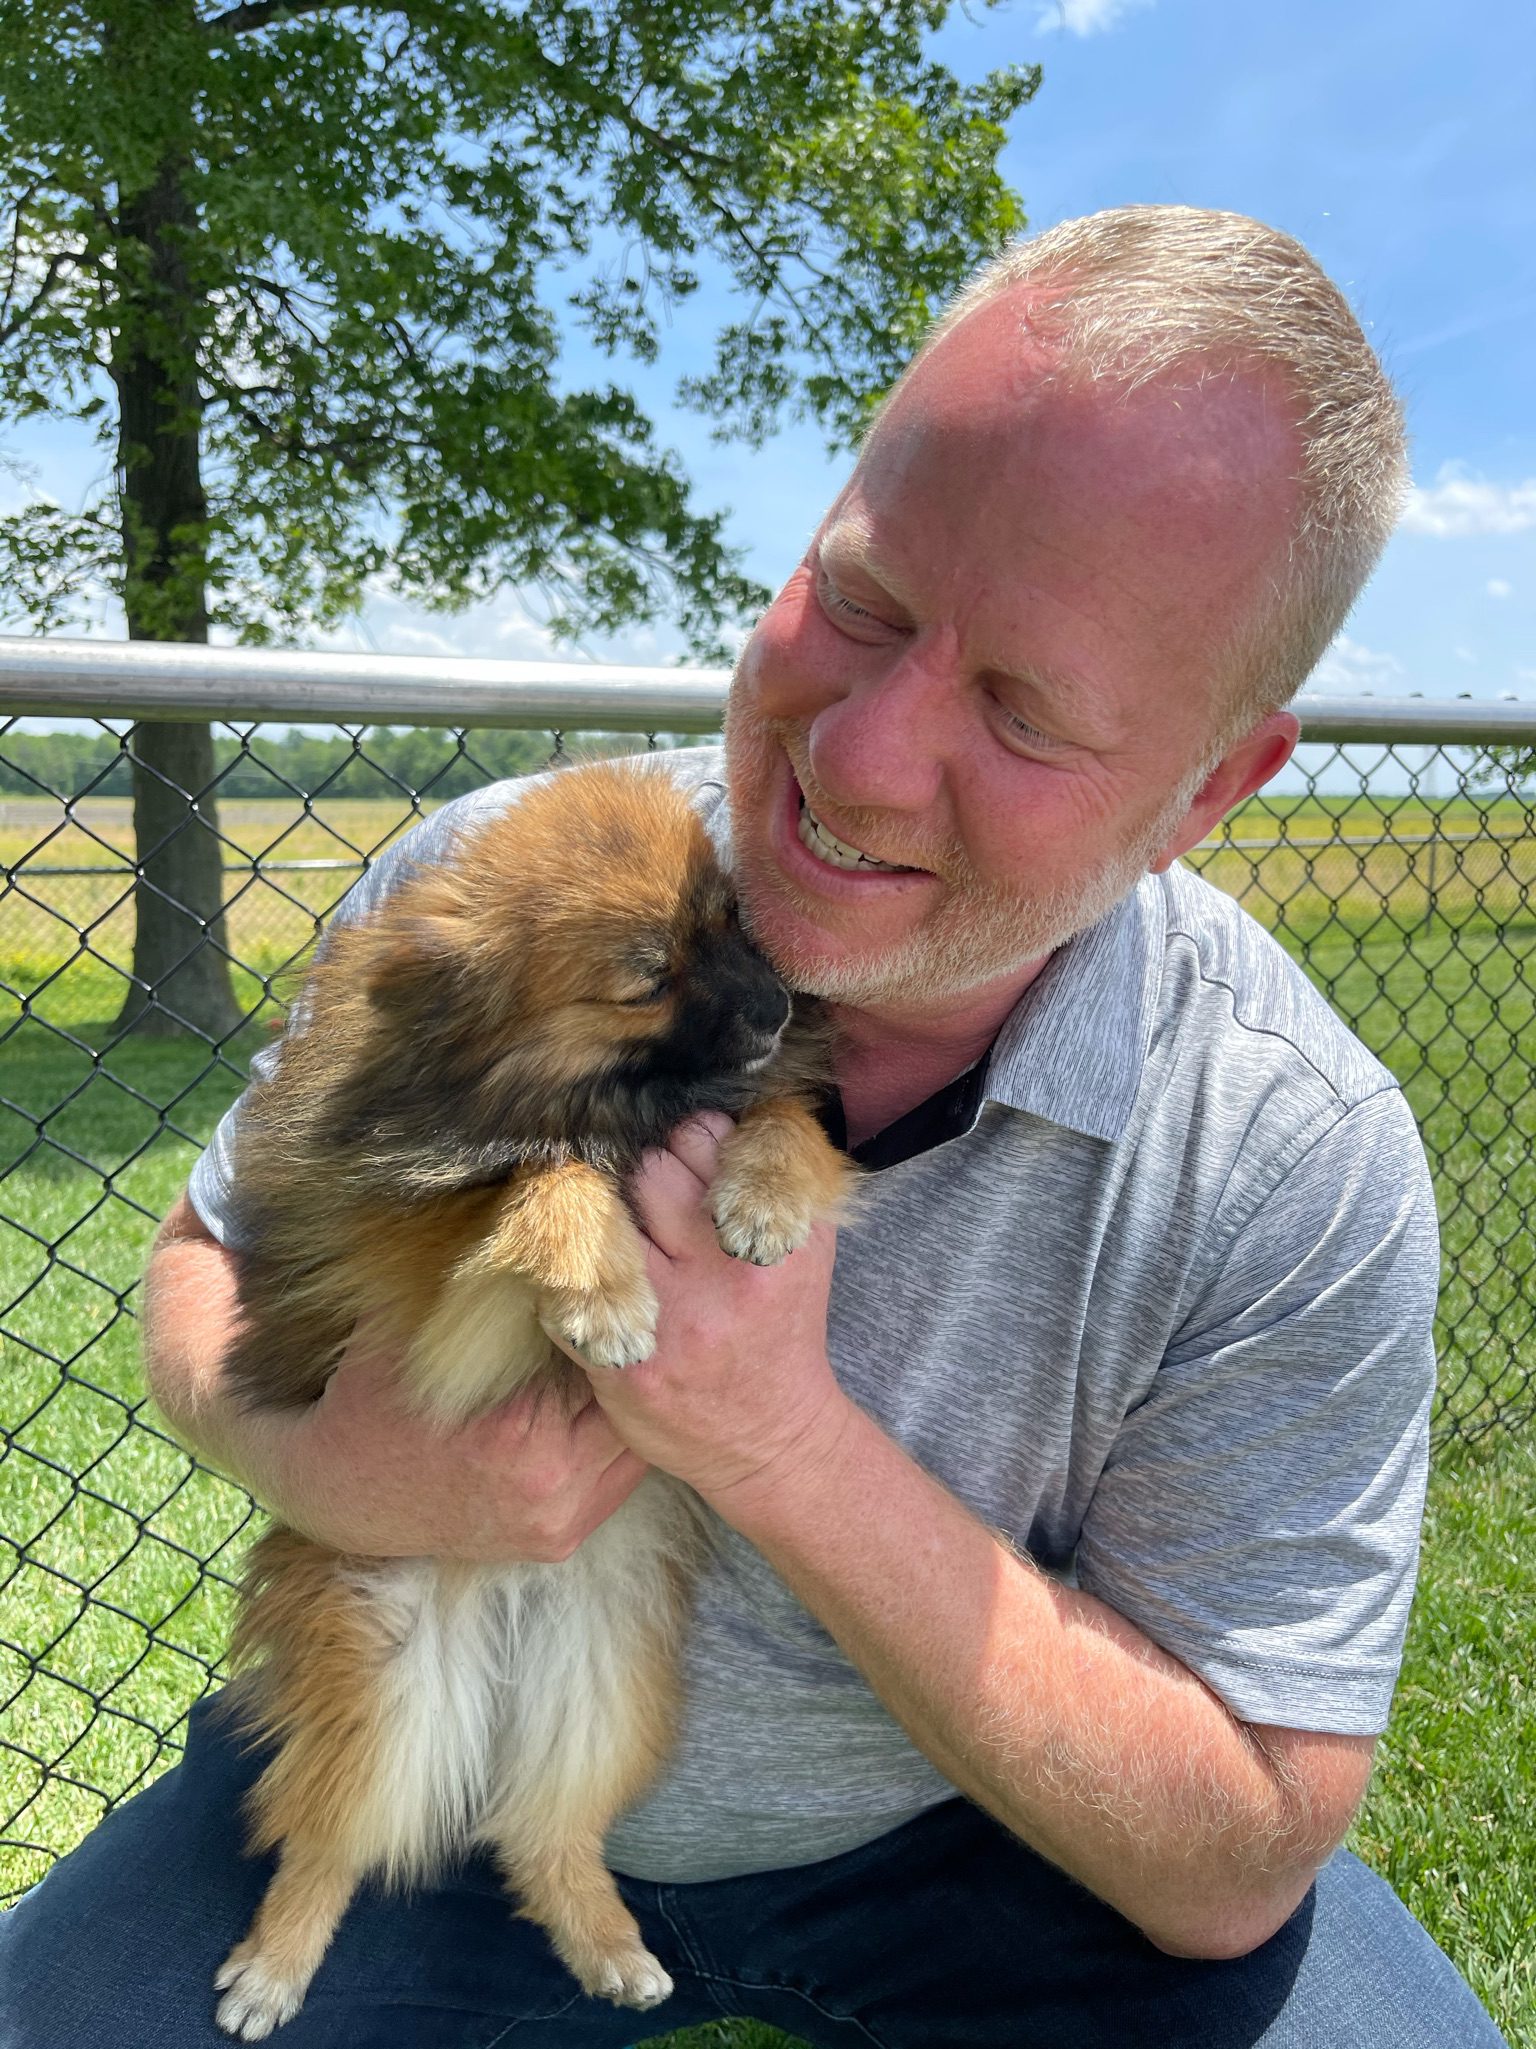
1167	292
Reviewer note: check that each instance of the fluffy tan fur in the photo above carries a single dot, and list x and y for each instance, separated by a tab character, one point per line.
470	1073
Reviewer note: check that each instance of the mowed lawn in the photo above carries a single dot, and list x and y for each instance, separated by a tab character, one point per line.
119	1551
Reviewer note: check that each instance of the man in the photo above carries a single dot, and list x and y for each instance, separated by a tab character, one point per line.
1087	1484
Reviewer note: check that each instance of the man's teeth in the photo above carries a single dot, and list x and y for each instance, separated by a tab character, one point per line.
835	852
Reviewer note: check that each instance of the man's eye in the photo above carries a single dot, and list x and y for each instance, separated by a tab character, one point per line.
1030	736
834	603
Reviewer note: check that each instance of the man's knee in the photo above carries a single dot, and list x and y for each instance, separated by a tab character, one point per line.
1371	1977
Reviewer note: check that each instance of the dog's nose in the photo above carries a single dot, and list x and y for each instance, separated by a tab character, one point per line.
754	993
768	1010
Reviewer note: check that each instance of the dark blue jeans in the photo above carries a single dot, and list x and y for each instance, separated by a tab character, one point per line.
945	1932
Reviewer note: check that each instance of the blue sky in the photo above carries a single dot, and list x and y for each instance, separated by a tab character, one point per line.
1396	140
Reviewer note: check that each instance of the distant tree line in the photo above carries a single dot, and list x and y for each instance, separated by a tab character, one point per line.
381	762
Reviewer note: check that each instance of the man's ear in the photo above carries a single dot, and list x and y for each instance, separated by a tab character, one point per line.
1246	766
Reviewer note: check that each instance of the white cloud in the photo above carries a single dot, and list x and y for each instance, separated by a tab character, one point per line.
1085	17
1459	503
1350	668
388	625
1496	587
506	627
1465	654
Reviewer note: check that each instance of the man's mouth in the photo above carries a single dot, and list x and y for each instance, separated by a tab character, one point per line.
826	846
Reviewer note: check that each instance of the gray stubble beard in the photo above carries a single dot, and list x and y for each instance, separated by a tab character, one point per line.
987	935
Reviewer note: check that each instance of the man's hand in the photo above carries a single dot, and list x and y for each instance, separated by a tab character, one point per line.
528	1481
739	1389
358	1470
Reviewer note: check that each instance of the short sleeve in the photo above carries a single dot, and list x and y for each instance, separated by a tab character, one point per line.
212	1188
1259	1514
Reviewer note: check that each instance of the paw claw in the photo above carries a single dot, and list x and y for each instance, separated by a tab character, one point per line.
636	1980
758	1232
256	2000
606	1334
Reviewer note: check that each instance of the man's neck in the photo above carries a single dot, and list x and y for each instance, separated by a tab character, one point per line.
891	1057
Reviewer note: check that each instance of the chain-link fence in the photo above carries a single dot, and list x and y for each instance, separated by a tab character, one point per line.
1400	871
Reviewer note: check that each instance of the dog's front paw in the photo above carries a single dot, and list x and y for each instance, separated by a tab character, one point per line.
761	1225
257	1998
607	1330
631	1978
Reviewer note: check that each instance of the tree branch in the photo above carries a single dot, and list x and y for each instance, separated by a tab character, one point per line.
692	164
354	453
254	14
9	329
287	297
10	284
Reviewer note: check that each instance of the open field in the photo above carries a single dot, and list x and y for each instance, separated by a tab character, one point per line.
66	936
118	1552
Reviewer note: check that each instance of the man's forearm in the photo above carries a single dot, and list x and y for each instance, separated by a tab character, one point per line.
1056	1714
190	1314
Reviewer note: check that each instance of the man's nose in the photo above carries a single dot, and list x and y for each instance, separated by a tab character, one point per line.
883	743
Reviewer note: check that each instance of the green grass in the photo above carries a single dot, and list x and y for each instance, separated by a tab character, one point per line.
117	1552
106	1527
1448	1819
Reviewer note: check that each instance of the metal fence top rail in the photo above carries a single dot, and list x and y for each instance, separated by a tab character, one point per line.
158	680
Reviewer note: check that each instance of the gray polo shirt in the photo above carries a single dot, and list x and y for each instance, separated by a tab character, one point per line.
1162	1315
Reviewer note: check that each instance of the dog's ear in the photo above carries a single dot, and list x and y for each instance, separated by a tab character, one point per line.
411	1115
412	965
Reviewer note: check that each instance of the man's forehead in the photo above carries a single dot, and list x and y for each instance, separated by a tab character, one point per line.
994	359
990	425
1153	485
997	385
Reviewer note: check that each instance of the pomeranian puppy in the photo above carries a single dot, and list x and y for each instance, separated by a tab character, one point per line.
467	1078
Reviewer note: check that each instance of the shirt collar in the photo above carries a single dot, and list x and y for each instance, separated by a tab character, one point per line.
1073	1048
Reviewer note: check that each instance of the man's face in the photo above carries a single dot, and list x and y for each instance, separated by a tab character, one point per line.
995	670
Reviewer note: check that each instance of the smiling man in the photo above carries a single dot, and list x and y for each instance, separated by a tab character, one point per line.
1067	1501
993	694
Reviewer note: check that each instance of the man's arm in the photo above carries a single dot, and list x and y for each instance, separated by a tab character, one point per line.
1056	1714
357	1470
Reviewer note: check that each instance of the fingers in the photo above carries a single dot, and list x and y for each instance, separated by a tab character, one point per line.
669	1189
574	1472
612	1488
697	1143
365	1383
528	1480
583	1449
593	1439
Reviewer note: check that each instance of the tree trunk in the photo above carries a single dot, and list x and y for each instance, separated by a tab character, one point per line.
181	981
